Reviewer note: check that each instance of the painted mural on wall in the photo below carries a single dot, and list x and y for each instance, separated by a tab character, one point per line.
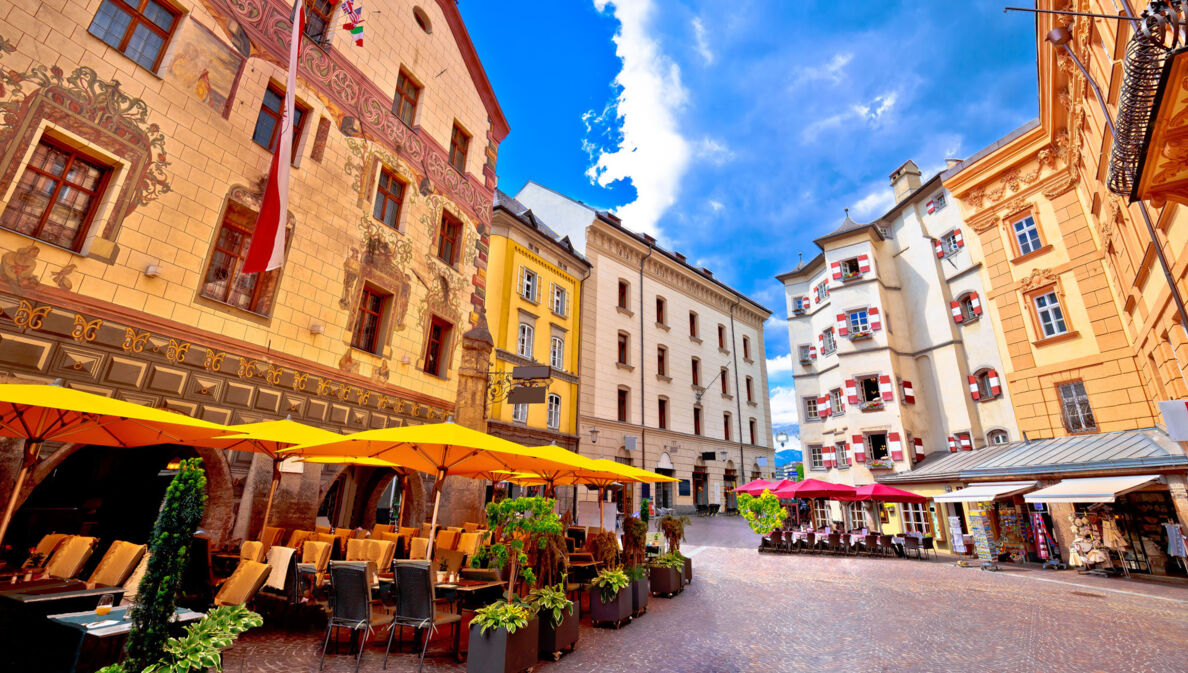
204	66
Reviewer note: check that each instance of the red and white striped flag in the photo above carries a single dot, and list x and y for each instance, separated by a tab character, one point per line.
267	250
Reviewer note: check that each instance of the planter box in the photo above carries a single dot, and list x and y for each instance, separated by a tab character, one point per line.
688	574
640	591
666	581
560	638
499	652
617	611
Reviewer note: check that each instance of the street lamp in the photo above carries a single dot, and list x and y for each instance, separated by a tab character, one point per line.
782	438
593	435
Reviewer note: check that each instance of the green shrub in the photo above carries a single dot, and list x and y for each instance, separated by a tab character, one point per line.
512	521
763	514
551	601
501	614
201	648
673	527
610	581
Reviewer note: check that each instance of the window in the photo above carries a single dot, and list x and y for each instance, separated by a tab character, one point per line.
529	284
841	449
439	334
721	336
722	374
936	203
268	122
835	402
623	290
1051	318
560	300
369	319
915	518
557	353
553	409
997	437
389	196
750	389
459	143
726	425
821	514
982	380
1026	235
622	407
857	512
319	15
138	29
526	336
1074	407
859	321
816	457
966	306
828	344
693	324
823	290
850	268
806	352
520	413
224	283
662	413
876	445
661	360
810	408
448	238
747	348
697	420
752	425
57	197
868	389
950	245
408	92
624	342
661	314
696	369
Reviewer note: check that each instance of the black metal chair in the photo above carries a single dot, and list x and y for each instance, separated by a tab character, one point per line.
350	603
928	546
415	606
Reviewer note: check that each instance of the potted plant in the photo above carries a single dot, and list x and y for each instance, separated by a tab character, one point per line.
201	647
641	588
604	547
558	620
635	540
443	571
666	575
673	527
610	599
503	638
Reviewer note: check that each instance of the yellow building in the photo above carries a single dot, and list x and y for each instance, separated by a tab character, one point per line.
533	304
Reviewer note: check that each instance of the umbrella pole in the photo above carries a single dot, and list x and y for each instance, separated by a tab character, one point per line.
32	450
601	498
433	525
403	497
271	492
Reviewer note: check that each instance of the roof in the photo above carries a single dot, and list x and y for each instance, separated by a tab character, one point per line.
849	226
525	216
976	156
1144	449
802	267
499	127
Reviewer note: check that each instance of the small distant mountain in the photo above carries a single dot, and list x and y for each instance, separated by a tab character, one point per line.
791	453
786	456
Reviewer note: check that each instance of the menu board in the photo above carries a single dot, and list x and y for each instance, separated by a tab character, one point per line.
983	534
958	537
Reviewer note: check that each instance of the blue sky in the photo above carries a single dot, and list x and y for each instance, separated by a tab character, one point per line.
737	132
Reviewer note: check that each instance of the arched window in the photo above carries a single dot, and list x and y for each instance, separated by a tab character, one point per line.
997	437
524	345
554	411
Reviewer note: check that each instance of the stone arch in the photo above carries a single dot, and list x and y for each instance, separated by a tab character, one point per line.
665	462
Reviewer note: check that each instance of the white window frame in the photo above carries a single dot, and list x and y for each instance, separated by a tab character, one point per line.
842	450
835	402
949	244
520	413
529	284
993	435
821	514
1050	314
1075	409
859	320
553	415
1026	233
828	342
560	300
557	353
524	340
823	290
915	517
857	512
805	352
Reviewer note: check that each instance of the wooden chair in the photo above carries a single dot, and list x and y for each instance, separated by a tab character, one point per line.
468	543
417	548
928	546
72	553
241	587
115	566
251	550
469	527
298	538
911	544
316	554
885	545
446	539
871	543
269	536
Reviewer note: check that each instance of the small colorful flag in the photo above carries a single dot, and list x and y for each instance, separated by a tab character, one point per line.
354	24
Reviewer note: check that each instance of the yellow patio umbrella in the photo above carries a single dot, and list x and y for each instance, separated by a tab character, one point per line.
440	449
268	438
50	413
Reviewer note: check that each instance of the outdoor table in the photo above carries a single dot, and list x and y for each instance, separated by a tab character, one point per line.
100	638
23	612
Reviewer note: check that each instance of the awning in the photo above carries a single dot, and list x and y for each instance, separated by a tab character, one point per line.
1099	489
988	491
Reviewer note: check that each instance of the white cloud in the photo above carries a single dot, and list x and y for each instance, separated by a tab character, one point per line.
833	71
780	364
702	44
872	113
650	151
793	442
785	409
874	204
713	151
875	110
716	206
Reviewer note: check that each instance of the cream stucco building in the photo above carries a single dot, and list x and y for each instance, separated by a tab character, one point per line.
895	357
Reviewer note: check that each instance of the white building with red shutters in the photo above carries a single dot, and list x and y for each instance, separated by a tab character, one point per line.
892	360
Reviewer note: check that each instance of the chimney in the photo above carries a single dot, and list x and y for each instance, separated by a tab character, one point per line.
679	256
952	162
707	272
905	180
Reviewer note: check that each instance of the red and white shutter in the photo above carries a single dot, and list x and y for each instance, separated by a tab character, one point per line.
863	264
909	395
939	248
850	458
843	327
955	308
895	445
973	388
952	444
858	448
966	442
918	445
812	352
876	321
851	391
995	385
831	456
817	294
822	406
958	238
975	303
835	270
821	342
804	302
886	389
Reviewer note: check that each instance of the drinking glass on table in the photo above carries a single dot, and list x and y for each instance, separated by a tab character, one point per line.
105	603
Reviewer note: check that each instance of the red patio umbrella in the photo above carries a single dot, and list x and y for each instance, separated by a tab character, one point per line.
755	487
815	488
885	493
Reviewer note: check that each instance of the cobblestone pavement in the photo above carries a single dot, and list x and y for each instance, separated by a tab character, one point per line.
760	612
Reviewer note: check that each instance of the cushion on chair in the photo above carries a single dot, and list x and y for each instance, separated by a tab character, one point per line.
409	531
251	550
269	536
117	563
49	543
321	529
317	554
446	539
297	537
440	618
381	552
453	559
356	550
469	527
418	547
468	543
132	584
425	530
382	528
70	557
243	584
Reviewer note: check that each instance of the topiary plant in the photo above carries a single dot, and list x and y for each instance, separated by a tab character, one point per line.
156	599
673	527
635	540
604	548
645	510
513	521
763	514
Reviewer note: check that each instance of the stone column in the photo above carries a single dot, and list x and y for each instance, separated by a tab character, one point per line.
462	498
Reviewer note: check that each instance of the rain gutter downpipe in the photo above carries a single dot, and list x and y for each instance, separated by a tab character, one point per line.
577	367
643	447
737	389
